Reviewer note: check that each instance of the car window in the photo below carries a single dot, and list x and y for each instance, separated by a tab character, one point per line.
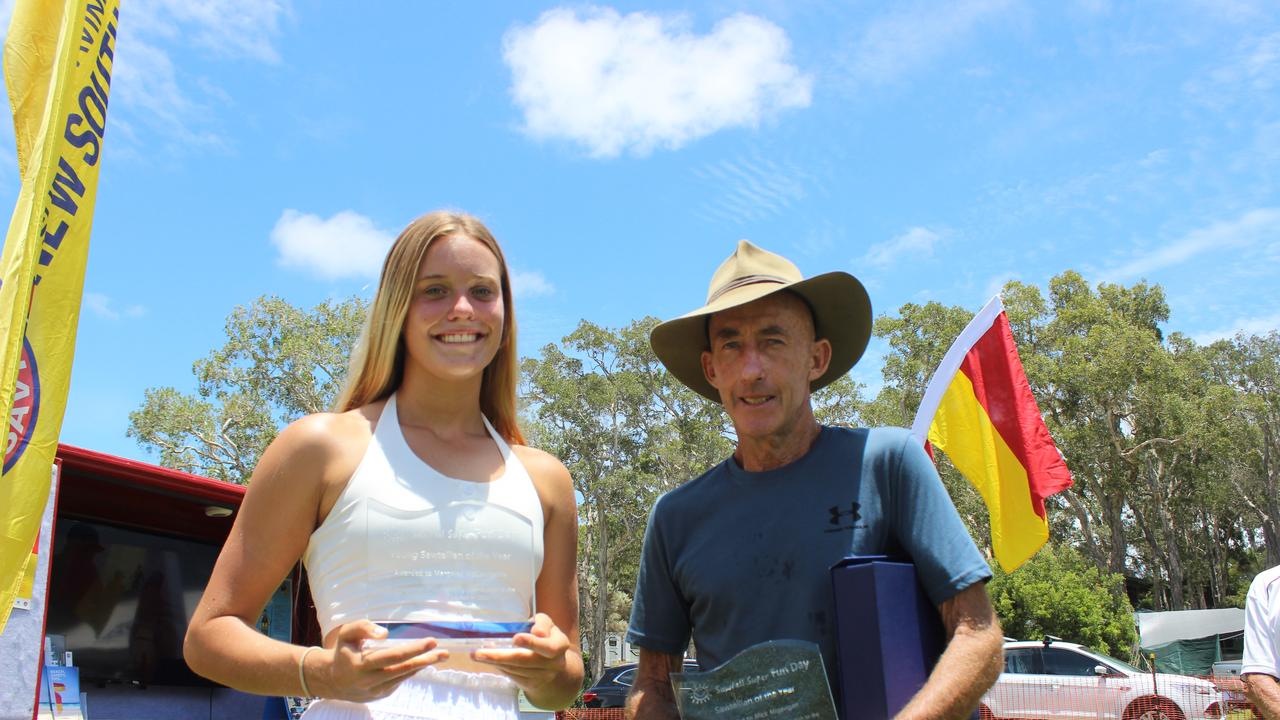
1020	660
626	677
1064	662
1120	664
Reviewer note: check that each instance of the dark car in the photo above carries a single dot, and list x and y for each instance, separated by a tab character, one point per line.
610	691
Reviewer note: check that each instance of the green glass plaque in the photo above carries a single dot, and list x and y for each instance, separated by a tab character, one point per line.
780	679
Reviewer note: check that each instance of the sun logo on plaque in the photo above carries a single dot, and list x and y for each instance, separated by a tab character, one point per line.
699	694
26	407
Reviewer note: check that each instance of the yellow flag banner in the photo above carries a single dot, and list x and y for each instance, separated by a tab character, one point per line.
58	60
980	411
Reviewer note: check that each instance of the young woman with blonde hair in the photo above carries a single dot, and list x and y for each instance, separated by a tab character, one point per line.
427	419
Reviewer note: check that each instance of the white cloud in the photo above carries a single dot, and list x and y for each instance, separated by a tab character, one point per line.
996	284
899	43
6	11
1234	10
228	28
1247	230
870	368
102	306
150	91
752	188
821	238
147	84
529	284
1155	158
1247	76
1094	7
1260	63
917	242
1249	326
346	245
616	83
1266	144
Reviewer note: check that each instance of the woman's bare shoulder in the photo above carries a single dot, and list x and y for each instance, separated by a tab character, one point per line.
328	430
326	444
545	469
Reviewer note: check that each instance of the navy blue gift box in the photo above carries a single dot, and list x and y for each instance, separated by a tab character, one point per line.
888	635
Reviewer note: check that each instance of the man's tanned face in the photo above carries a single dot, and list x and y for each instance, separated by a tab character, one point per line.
763	356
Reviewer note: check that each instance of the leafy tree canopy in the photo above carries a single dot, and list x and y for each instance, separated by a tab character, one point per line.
280	362
1059	592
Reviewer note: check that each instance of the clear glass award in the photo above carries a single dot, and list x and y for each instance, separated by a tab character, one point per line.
462	573
777	680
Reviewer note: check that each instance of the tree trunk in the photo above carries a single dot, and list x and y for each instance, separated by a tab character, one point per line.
1172	554
600	609
1271	480
1159	562
1113	512
589	576
1216	566
1271	538
1081	511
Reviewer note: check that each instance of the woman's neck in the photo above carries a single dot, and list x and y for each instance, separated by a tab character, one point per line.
444	407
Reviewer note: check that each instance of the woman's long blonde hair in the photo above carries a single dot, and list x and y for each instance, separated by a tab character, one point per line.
377	362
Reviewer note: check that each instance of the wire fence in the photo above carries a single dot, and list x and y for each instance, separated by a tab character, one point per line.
1133	697
1127	697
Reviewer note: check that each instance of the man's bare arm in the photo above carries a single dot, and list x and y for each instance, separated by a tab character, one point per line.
651	696
971	663
1264	692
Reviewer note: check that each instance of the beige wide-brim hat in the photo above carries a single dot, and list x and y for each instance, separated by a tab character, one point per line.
841	314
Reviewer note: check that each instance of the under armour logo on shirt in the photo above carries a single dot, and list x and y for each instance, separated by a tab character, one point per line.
843	519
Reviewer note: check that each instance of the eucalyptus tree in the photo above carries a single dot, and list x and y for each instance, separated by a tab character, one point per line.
918	337
627	431
1104	345
279	362
1250	366
1175	423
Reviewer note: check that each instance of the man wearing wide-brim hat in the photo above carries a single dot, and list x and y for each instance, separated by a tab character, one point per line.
741	554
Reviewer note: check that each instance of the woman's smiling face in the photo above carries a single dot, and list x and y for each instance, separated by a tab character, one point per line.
456	315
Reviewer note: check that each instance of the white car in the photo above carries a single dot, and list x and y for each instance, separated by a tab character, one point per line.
1060	680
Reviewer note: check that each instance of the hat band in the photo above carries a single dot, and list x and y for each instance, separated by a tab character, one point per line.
742	282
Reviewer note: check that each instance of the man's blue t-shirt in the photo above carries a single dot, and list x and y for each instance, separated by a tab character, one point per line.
736	558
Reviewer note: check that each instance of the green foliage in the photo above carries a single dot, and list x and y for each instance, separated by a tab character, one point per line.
918	339
1173	446
1167	441
840	403
279	363
1249	368
1058	592
627	431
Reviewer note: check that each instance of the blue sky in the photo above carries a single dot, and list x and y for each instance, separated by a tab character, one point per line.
933	149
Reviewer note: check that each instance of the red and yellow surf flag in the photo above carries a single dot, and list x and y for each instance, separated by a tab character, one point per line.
979	410
58	61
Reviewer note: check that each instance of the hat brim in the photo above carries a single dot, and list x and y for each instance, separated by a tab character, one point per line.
841	314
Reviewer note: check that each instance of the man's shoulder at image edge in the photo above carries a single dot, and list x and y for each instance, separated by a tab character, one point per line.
1262	625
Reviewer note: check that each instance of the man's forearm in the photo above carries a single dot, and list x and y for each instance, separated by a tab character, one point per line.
967	669
970	665
651	696
1264	692
652	701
